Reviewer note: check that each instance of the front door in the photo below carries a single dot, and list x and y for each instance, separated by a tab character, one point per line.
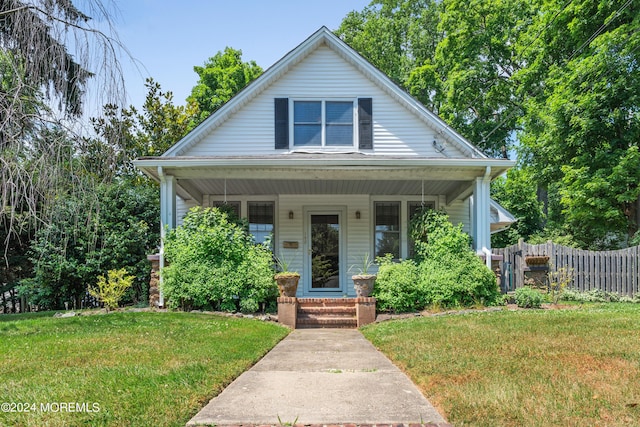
324	251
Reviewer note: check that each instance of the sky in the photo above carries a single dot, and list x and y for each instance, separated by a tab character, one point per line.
168	38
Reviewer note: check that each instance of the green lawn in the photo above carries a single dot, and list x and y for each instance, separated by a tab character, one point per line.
577	367
136	369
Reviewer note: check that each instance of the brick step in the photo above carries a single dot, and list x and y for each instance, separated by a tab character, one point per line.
326	312
334	310
326	322
325	315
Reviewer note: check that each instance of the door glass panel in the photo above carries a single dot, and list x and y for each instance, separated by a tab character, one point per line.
325	251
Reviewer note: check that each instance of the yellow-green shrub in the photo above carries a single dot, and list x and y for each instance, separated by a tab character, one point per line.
110	290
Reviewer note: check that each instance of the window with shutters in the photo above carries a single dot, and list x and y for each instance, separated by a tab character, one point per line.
326	124
323	123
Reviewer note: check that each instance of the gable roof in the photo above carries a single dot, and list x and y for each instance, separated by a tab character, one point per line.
322	37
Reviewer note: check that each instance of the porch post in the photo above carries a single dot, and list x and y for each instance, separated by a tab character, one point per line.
481	226
167	215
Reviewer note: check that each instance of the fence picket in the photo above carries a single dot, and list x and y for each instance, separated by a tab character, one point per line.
612	271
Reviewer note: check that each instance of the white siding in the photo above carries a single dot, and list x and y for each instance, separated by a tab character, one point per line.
182	207
358	235
321	75
459	212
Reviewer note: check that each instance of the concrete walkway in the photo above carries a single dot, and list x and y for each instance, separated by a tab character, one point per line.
320	376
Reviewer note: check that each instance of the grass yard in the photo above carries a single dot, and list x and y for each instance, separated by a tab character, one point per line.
140	369
577	367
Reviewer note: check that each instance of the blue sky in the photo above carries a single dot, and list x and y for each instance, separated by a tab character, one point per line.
169	38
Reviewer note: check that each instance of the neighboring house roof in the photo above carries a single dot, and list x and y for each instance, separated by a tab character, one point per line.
323	37
501	219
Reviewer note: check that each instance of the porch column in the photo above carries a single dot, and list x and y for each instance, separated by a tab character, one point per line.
481	214
167	215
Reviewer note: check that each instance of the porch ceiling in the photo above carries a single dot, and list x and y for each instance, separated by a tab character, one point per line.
299	173
283	186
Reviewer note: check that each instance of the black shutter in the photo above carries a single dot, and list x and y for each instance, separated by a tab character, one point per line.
281	108
365	124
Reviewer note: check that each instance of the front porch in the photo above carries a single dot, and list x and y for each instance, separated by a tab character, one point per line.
324	213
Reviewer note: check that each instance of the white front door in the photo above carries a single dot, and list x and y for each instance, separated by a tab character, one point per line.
324	252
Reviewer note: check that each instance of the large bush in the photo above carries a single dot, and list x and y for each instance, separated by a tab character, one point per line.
397	286
115	226
214	263
445	271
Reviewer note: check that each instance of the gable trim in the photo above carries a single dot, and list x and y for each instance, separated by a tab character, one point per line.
323	35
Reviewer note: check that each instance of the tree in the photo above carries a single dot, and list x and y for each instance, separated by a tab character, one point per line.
221	77
394	35
457	57
110	218
126	134
517	192
49	51
477	60
582	126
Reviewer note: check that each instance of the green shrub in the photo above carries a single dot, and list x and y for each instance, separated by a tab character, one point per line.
397	286
110	291
445	271
597	295
213	262
527	297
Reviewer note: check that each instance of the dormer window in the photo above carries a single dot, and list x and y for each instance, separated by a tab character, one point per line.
323	123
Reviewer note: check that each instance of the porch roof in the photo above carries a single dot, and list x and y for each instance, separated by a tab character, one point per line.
323	173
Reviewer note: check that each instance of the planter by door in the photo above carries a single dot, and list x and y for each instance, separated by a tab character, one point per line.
287	283
363	284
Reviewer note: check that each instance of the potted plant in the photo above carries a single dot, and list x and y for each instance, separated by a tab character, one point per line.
287	280
363	281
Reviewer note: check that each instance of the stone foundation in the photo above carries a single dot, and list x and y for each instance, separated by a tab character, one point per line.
154	281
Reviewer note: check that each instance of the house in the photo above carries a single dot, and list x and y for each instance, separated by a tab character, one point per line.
327	155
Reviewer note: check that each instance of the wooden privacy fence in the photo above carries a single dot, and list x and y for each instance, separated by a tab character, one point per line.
612	271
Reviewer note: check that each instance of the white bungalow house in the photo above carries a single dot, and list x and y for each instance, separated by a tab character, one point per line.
328	156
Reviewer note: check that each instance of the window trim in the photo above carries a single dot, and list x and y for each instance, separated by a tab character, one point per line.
210	199
273	213
323	124
375	231
404	201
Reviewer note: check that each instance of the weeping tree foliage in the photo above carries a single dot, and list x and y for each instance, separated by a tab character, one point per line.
49	51
116	224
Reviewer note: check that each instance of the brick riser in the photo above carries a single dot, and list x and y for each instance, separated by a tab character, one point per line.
326	313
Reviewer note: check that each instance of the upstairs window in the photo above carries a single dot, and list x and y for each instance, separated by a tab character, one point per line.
323	123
